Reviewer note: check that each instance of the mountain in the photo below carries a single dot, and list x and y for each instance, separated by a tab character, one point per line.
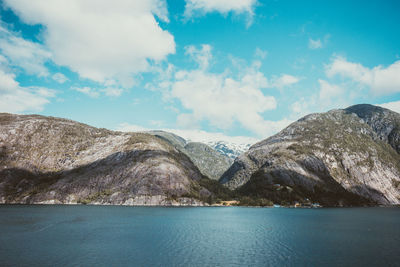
338	158
342	157
173	139
384	122
230	146
210	162
52	160
229	149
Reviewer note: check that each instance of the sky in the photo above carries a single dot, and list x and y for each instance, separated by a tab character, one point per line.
221	69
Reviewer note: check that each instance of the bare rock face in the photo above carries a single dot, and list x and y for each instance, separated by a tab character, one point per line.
384	122
51	160
210	162
334	158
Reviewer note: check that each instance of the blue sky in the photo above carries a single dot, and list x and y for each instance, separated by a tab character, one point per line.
236	68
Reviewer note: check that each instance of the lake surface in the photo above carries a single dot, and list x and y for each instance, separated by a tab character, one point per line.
215	236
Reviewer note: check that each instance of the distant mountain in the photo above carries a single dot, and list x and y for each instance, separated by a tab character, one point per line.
52	160
230	149
210	162
173	139
342	157
230	146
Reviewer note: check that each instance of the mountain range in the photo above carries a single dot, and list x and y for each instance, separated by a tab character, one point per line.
341	157
344	157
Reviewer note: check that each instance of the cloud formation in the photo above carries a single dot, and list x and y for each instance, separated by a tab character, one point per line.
314	44
329	91
222	98
284	80
29	56
99	39
201	7
15	98
192	134
91	92
381	80
59	77
395	106
96	92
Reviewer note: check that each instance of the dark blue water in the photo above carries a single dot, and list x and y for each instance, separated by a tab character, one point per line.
229	236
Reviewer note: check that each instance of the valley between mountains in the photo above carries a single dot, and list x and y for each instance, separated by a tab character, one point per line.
344	157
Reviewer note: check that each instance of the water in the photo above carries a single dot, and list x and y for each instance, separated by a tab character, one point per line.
226	236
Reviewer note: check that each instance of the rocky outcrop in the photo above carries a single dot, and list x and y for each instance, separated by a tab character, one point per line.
51	160
384	122
342	157
210	162
175	140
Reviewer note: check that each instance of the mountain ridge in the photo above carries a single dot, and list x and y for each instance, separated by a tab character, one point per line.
322	153
52	160
210	162
343	157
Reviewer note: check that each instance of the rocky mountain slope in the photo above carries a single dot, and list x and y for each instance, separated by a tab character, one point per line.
342	157
384	122
210	162
51	160
229	149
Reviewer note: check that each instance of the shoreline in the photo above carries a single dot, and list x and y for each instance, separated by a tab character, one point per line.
192	206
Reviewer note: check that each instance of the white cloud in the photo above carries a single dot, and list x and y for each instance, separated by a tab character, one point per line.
221	98
112	91
91	92
328	90
193	135
29	56
59	77
95	92
284	80
201	7
314	44
16	99
99	39
318	43
204	137
395	106
201	56
299	106
157	123
328	96
381	80
259	53
333	96
126	127
302	106
269	128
